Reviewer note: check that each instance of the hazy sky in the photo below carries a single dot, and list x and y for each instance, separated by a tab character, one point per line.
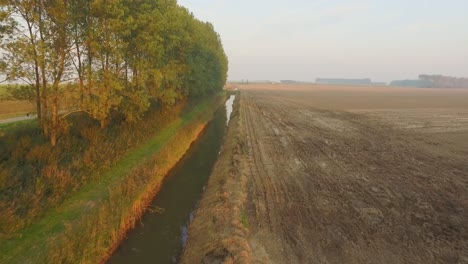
306	39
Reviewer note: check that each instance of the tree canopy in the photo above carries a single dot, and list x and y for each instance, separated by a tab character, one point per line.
112	57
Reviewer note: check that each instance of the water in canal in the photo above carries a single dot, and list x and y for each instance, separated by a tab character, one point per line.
161	235
229	107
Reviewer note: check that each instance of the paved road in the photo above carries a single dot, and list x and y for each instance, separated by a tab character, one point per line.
16	119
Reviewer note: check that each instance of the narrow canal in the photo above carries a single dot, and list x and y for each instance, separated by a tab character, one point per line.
161	234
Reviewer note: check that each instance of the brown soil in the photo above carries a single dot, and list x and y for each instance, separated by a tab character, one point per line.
10	108
350	175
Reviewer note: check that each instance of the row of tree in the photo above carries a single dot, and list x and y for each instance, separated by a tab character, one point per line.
433	81
441	81
112	57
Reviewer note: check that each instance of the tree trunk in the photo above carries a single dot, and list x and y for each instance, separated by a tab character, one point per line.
37	85
61	49
80	72
45	114
103	123
54	127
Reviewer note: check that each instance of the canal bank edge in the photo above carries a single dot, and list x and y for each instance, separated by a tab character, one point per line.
220	228
163	162
90	225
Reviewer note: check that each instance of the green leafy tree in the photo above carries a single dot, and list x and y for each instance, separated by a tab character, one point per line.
113	58
20	44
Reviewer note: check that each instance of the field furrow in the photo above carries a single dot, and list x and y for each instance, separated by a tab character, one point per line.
330	185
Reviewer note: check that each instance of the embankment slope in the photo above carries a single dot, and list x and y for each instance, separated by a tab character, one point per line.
219	231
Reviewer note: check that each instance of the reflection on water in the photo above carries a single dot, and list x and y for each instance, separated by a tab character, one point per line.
229	104
160	237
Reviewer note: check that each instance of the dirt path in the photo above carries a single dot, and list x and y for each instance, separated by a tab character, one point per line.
329	186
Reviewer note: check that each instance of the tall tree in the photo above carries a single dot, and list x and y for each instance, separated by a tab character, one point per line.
116	56
20	44
57	44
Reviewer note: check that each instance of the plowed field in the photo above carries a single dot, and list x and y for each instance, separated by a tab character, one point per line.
356	175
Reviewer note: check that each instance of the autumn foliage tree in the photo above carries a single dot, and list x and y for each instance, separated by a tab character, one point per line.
109	57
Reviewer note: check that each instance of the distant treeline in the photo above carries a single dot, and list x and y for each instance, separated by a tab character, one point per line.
433	81
444	81
112	58
366	81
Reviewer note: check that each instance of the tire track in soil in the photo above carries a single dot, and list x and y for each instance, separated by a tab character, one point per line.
335	187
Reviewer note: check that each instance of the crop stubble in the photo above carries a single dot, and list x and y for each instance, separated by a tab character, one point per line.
336	179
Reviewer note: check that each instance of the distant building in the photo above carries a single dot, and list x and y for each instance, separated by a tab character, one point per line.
344	81
411	83
288	82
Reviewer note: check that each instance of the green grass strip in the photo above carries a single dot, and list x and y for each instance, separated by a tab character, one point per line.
31	241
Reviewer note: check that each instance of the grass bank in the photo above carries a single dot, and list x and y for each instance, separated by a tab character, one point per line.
219	230
87	226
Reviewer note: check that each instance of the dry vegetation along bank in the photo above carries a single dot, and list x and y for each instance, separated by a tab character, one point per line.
219	231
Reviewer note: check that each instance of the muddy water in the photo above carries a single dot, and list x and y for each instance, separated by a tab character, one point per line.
161	234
